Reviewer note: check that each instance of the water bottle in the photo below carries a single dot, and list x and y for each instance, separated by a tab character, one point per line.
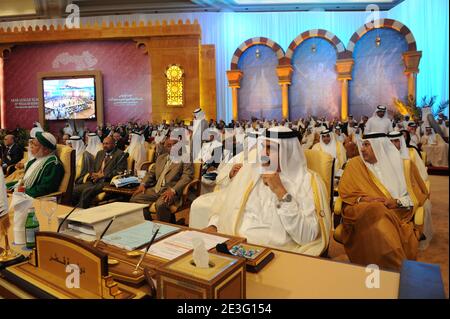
31	228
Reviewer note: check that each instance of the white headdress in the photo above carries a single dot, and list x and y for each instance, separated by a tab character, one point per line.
389	166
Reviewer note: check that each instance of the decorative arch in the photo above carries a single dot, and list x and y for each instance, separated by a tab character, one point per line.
317	33
254	41
378	24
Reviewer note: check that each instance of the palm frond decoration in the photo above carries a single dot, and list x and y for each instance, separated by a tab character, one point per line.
409	107
441	108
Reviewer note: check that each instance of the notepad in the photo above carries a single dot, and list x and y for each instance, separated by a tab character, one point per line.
138	235
178	244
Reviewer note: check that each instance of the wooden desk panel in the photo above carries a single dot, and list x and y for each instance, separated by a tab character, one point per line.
291	275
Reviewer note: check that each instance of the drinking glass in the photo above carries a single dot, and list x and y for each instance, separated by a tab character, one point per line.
48	208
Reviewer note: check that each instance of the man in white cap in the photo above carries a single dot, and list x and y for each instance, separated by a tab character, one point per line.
329	145
84	161
44	173
379	122
94	144
36	128
435	147
277	202
381	193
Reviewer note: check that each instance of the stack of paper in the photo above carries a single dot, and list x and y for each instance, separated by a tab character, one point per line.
138	235
180	243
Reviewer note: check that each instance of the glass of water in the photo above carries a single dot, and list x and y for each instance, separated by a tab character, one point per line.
48	208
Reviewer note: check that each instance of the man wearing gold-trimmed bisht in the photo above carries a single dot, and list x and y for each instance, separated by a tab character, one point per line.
330	145
84	161
381	193
276	202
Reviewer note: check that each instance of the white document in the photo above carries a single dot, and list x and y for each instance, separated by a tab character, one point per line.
180	243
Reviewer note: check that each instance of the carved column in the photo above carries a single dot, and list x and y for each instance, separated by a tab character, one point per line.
411	60
284	73
4	50
344	69
234	82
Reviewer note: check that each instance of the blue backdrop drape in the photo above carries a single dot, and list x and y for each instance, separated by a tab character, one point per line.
428	20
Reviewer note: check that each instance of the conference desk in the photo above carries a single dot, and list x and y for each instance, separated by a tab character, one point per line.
287	276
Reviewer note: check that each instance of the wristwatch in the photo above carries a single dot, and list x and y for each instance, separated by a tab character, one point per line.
287	198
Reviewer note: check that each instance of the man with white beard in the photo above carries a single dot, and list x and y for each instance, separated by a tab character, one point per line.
44	172
379	122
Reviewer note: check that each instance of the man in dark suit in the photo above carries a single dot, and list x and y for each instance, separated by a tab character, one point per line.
164	183
119	141
108	163
11	153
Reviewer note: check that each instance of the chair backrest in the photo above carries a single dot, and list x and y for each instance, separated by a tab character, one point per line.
67	157
151	154
198	176
130	164
423	155
323	164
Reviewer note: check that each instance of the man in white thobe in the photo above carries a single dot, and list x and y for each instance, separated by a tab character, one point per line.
435	147
137	149
94	144
379	122
329	145
277	202
411	154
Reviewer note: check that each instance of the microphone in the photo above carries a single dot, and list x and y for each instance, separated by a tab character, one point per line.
104	231
67	216
125	155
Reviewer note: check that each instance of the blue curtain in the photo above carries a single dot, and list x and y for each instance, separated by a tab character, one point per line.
315	89
378	73
260	93
427	19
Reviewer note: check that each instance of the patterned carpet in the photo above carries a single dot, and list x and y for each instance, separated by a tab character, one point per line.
438	250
